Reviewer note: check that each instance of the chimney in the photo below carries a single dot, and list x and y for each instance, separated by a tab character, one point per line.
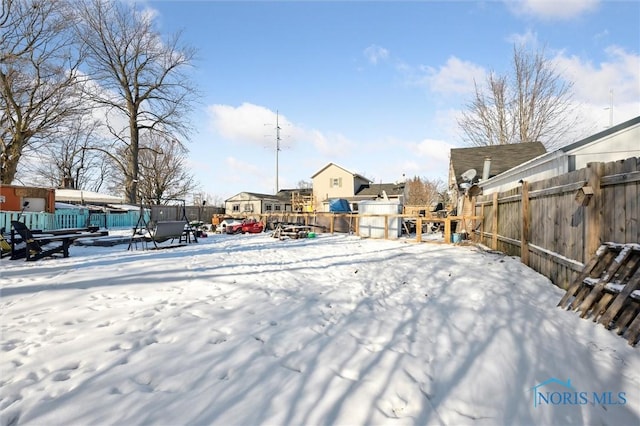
487	168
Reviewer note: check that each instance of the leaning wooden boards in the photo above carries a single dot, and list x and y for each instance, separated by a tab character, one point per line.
608	290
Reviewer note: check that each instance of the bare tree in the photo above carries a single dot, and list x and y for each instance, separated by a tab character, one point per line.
531	105
423	191
39	83
70	160
139	80
163	173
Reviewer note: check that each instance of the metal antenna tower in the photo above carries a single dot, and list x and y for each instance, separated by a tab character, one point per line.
277	148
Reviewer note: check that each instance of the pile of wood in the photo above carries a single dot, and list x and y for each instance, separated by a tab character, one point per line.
608	290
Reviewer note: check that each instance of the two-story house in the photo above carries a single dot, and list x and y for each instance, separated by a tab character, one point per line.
333	181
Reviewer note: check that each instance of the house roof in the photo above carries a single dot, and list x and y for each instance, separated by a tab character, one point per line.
375	189
286	193
82	196
355	175
600	135
503	157
257	195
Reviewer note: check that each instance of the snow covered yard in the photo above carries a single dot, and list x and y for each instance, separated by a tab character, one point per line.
250	330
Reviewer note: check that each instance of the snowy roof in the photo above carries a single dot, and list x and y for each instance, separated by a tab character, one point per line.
82	196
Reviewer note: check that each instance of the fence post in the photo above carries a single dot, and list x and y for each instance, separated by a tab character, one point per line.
419	229
386	227
447	230
494	236
481	236
593	211
524	237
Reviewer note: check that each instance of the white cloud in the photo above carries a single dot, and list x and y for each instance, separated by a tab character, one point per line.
246	168
455	76
529	38
255	125
552	9
375	54
594	83
247	123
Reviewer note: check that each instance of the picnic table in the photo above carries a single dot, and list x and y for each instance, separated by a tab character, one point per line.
294	231
39	245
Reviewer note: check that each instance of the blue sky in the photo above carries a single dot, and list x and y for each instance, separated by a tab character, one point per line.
376	86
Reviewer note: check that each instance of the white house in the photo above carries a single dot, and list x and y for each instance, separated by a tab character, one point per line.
252	203
616	143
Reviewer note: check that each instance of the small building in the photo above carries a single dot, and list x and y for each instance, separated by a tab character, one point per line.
253	203
28	198
615	143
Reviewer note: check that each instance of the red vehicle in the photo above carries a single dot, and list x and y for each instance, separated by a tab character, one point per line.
247	226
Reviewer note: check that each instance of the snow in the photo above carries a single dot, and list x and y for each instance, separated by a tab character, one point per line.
250	330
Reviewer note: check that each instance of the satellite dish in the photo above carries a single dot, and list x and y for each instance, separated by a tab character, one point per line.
469	175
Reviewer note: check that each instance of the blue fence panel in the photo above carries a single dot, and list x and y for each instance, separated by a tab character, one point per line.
67	219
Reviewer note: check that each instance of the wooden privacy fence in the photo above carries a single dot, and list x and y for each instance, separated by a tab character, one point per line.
557	224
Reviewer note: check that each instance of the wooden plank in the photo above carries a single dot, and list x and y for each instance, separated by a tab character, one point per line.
632	285
593	212
494	225
596	292
602	305
629	312
524	234
573	265
633	331
619	207
555	211
557	189
631	203
621	178
575	286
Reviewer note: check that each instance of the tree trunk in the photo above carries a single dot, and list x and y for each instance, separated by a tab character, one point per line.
10	159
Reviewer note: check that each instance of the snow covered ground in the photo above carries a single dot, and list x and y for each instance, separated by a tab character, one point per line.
250	330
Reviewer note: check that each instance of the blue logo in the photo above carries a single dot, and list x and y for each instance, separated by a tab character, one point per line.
542	395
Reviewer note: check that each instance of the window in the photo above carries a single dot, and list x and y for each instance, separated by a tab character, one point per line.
248	207
336	182
278	207
268	207
236	208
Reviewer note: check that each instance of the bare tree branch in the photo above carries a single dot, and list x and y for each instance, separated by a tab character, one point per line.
140	79
531	105
39	78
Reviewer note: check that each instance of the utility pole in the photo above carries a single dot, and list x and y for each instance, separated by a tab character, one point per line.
277	148
278	139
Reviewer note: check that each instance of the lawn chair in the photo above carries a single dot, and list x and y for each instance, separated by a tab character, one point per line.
5	247
43	245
